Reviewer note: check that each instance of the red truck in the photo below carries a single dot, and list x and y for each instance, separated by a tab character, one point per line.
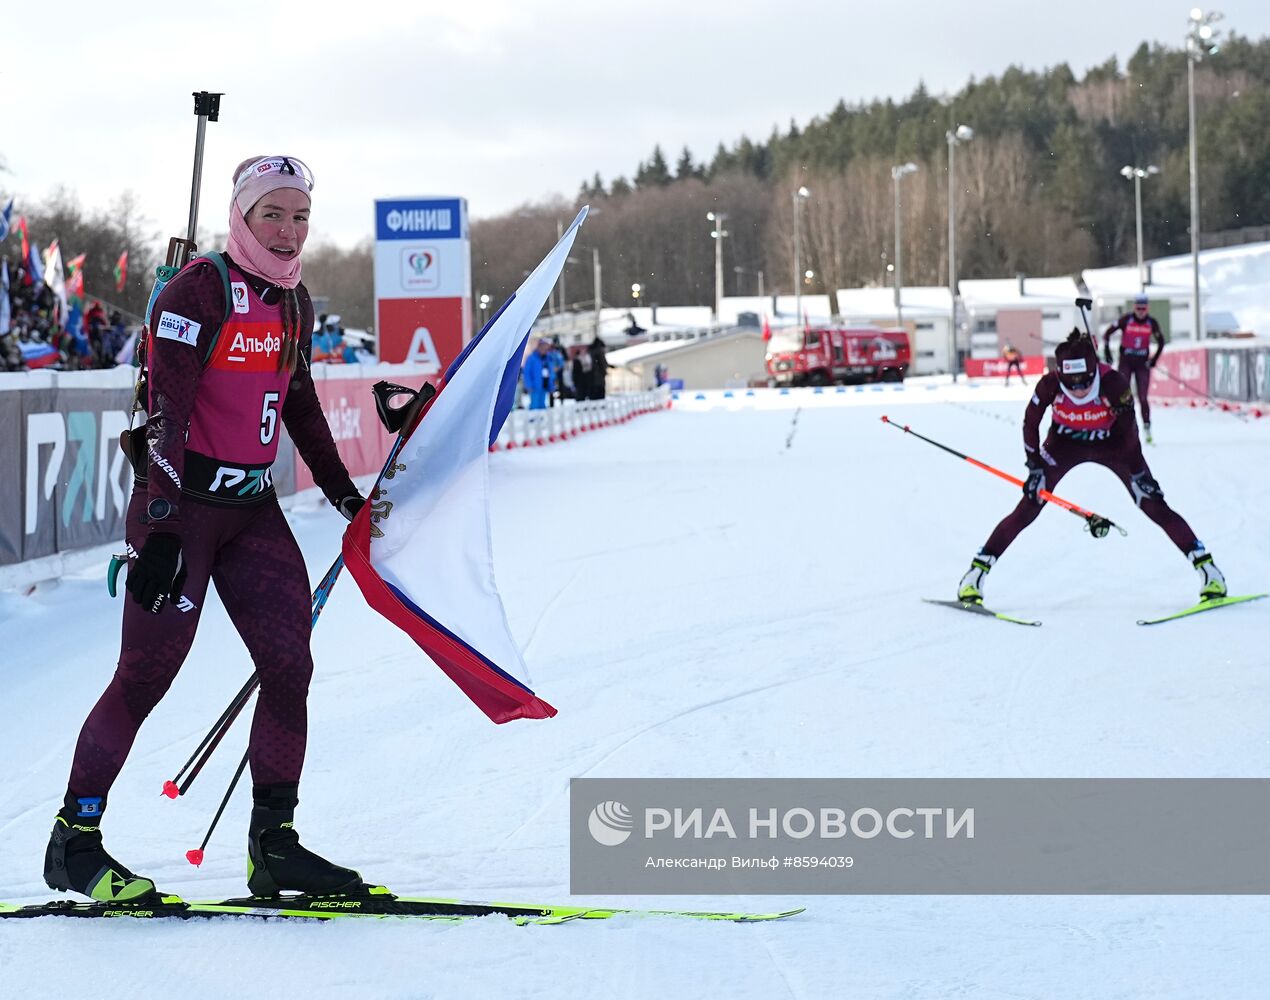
825	355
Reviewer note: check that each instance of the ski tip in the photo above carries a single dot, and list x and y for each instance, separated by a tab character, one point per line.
171	789
194	857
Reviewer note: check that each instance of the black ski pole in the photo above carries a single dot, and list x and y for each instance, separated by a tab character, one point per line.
195	857
170	787
211	741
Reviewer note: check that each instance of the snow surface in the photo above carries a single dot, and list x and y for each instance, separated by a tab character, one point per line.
754	612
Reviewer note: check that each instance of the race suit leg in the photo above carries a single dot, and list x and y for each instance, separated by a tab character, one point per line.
1172	523
1025	511
152	650
261	579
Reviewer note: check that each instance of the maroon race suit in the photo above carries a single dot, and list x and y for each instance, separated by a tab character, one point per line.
1136	359
1098	427
211	437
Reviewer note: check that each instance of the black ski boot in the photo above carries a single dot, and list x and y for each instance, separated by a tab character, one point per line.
276	861
76	861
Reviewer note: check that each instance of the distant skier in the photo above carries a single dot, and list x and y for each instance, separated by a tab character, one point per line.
1013	363
204	510
1092	421
1137	330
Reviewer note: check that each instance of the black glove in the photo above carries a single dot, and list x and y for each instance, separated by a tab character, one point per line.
349	506
1035	483
1106	356
1144	487
1151	363
158	572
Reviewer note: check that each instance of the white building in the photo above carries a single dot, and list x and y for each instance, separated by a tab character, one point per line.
1032	314
779	310
927	317
1233	288
729	359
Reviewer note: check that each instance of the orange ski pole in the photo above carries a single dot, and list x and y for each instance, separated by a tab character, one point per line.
1098	525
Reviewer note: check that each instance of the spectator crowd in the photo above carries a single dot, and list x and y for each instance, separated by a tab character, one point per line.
37	338
552	374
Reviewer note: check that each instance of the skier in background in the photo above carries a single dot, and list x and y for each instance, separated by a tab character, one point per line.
189	524
1013	363
1091	421
1137	330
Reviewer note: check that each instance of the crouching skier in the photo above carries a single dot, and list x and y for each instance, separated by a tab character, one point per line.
228	360
1092	421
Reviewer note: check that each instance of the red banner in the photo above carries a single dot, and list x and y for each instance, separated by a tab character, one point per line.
426	332
1181	375
996	367
361	439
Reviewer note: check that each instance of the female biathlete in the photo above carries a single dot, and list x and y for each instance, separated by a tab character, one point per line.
223	376
1092	421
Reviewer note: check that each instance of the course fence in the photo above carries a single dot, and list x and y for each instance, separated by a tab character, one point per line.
65	484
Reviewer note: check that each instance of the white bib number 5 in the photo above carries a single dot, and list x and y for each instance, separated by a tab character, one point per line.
269	417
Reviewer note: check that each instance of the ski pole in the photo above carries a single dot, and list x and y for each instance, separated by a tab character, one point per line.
195	857
397	419
1098	525
211	741
170	787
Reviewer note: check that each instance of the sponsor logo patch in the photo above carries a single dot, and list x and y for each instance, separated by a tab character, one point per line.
173	326
238	292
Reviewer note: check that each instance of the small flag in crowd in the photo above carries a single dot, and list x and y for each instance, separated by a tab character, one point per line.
75	279
5	321
34	271
121	271
4	220
55	276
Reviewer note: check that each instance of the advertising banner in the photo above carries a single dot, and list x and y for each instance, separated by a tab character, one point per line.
1181	375
362	441
74	479
423	281
1228	374
996	367
10	481
1259	363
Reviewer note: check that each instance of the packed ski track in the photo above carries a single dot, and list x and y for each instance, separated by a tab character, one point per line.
701	593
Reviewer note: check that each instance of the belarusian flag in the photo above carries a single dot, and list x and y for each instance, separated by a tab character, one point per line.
75	279
121	271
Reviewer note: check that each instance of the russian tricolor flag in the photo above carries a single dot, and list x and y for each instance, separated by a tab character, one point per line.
420	550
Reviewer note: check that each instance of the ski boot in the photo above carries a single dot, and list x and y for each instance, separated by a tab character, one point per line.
76	861
1212	583
276	861
971	589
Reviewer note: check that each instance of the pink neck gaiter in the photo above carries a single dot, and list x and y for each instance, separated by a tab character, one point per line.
248	254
